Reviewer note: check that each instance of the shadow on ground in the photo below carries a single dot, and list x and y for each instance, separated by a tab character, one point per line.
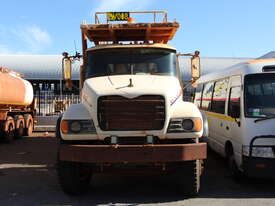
28	177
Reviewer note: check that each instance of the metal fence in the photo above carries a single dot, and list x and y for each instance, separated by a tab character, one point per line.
50	104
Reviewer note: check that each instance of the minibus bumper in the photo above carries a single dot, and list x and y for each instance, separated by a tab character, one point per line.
259	166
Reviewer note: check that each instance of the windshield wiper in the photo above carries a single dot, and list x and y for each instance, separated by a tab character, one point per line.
264	118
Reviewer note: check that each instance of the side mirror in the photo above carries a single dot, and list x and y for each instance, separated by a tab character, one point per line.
67	70
195	66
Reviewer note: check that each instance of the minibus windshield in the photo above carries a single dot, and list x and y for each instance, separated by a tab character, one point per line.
135	61
259	91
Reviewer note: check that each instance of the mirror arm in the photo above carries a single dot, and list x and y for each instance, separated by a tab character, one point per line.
238	122
77	56
196	54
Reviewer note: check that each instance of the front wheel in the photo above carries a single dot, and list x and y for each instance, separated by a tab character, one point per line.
74	177
188	177
234	171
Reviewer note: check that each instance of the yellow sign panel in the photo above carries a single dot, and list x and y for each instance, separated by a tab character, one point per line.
118	16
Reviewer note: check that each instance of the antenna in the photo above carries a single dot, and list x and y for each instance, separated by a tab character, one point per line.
75	47
77	54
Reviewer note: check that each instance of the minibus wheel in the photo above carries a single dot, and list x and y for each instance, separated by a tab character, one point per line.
234	171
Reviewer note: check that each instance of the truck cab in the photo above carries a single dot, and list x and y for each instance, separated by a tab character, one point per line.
131	114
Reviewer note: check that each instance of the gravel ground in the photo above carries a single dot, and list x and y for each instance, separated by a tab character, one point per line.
28	177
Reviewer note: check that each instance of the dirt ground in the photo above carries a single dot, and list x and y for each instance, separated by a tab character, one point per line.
28	177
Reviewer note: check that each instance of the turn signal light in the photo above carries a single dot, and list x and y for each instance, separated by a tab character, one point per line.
198	124
64	127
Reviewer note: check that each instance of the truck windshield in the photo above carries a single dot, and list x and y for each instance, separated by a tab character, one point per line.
136	61
259	95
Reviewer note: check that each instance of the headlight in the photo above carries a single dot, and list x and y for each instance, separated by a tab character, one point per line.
192	124
75	126
78	127
187	124
266	152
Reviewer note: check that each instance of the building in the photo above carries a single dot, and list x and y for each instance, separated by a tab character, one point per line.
43	71
43	68
45	74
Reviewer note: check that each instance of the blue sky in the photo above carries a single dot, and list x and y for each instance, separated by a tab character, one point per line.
218	28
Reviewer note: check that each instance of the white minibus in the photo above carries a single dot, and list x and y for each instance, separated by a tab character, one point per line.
239	105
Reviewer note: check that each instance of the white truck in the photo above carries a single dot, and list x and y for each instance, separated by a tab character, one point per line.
131	117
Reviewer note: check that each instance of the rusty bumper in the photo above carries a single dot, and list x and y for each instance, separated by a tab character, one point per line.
132	153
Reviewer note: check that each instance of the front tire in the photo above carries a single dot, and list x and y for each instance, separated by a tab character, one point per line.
234	171
74	177
188	178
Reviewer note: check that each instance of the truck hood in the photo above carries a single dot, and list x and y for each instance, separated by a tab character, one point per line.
131	86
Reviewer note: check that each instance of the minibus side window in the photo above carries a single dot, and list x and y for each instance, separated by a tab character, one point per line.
234	102
207	96
219	96
198	94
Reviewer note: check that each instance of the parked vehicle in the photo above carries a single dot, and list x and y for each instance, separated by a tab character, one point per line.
240	108
16	105
131	117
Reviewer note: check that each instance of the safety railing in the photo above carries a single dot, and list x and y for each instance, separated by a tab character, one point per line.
125	16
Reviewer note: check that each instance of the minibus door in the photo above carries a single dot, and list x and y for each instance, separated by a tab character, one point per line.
234	125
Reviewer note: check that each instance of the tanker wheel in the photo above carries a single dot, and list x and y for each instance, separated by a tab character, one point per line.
29	128
19	129
188	178
74	178
9	130
29	125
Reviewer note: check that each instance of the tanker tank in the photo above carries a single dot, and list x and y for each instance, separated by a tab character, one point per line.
14	91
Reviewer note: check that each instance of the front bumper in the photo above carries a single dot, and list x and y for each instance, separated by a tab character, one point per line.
132	153
259	167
